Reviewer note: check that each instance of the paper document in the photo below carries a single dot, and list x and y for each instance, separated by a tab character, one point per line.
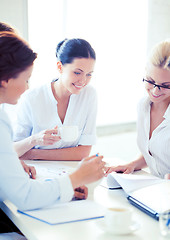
67	212
131	182
47	171
143	190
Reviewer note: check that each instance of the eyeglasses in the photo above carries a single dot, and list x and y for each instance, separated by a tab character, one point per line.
156	85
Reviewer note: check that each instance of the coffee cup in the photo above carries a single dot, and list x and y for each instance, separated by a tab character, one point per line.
68	133
118	219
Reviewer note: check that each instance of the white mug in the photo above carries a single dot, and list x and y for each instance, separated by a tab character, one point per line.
118	218
68	133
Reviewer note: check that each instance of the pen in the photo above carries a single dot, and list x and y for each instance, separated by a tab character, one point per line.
30	174
168	221
97	154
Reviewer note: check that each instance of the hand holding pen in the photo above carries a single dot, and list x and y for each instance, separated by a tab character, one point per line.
29	169
90	169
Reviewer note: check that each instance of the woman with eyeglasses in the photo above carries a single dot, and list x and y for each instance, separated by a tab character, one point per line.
67	100
153	125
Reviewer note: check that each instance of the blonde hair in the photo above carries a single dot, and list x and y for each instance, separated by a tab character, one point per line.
160	55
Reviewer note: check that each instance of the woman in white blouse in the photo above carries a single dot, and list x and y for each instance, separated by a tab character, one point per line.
68	100
153	125
16	64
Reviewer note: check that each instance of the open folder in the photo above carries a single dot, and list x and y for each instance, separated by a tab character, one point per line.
148	193
67	212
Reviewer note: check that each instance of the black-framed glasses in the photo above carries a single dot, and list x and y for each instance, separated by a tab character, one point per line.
156	85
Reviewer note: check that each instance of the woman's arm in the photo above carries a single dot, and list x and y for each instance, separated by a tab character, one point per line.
23	146
71	153
43	138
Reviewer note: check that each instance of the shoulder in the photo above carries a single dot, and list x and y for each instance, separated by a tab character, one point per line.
5	130
90	89
35	93
88	92
167	113
144	104
4	120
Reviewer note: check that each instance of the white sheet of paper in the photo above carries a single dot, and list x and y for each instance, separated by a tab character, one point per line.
46	171
131	182
68	212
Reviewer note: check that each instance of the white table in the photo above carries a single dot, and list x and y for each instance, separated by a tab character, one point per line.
85	230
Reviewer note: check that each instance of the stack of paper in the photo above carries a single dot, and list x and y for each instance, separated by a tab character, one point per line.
131	182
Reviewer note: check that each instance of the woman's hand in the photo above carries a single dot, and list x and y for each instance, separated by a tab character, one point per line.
46	137
43	138
126	169
29	169
80	193
90	170
167	176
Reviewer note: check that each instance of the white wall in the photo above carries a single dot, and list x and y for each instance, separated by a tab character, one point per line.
116	30
15	13
158	22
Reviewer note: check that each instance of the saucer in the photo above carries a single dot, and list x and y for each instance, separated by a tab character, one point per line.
128	230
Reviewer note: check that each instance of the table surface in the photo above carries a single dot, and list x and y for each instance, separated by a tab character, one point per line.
85	230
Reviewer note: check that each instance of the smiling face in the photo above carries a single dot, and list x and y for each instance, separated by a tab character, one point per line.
160	77
76	75
14	87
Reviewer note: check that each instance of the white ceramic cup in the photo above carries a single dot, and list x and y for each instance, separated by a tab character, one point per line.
118	218
68	133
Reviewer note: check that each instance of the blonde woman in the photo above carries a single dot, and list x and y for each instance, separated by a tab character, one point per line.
153	126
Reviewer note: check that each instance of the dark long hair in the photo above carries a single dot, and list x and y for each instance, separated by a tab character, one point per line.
15	55
6	27
69	49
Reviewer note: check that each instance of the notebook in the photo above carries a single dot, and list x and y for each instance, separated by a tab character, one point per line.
67	212
60	213
146	192
152	199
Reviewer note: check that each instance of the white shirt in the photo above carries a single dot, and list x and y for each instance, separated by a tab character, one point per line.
15	183
37	111
159	143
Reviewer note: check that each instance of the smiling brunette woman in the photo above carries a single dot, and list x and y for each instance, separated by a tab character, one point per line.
16	64
68	100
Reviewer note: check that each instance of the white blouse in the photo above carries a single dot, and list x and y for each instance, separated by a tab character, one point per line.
155	150
37	111
15	184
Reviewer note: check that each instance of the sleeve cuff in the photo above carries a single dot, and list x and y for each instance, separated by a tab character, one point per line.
66	188
87	140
